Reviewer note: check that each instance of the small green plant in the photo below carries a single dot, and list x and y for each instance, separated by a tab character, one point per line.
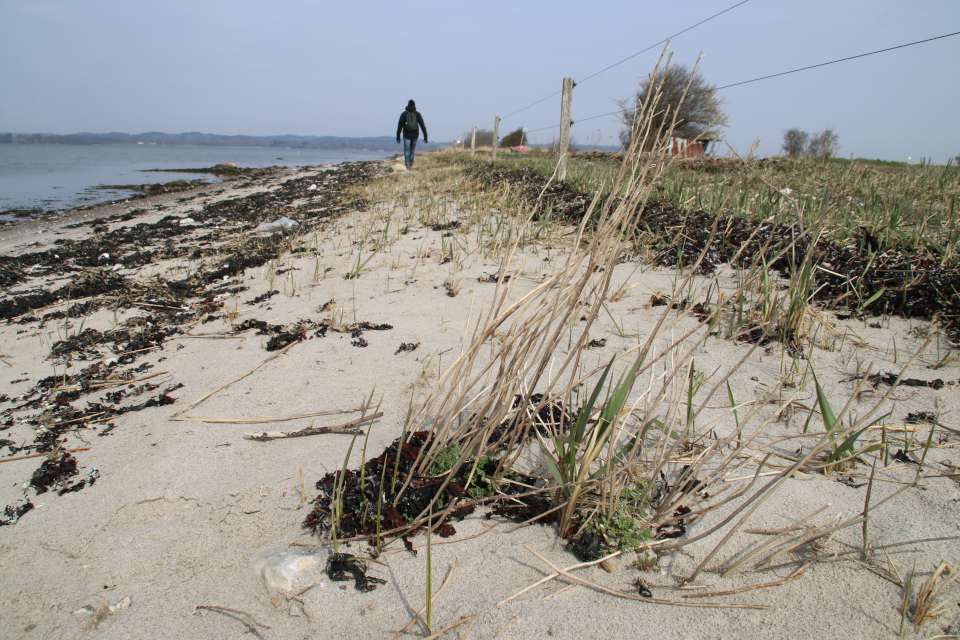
627	528
647	561
445	460
573	473
358	266
842	447
481	485
452	285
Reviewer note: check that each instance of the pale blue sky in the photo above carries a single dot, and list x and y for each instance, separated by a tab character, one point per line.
347	68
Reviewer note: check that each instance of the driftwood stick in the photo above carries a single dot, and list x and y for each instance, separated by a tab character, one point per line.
349	427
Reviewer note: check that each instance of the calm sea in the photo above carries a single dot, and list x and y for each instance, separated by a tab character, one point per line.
56	177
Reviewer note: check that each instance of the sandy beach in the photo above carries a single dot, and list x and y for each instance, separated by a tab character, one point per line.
150	337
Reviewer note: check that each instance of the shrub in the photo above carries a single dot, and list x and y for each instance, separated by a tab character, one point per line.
513	139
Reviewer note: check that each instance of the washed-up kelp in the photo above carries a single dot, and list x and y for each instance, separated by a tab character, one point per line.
360	503
132	246
912	284
13	512
344	566
95	268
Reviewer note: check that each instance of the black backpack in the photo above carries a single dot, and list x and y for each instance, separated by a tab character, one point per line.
411	123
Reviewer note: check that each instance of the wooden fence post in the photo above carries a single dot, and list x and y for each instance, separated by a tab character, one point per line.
496	136
463	141
473	140
566	109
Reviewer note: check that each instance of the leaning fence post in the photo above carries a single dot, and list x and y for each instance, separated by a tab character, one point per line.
566	108
496	136
473	140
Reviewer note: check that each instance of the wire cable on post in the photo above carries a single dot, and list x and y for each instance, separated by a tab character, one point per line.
593	75
784	73
657	44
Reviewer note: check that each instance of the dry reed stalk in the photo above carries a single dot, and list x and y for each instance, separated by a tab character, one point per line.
453	625
237	379
557	575
40	455
111	383
799	573
262	420
348	427
629	596
418	616
246	620
927	608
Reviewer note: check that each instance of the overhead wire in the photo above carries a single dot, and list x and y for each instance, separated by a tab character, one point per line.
657	44
784	73
630	57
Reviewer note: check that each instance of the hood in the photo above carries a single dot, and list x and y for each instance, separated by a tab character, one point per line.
411	106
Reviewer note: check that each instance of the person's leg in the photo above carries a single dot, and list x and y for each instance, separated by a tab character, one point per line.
413	145
408	152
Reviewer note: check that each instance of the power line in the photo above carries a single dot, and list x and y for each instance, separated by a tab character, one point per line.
552	95
656	44
783	73
823	64
630	57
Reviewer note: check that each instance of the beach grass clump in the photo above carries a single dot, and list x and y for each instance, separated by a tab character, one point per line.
647	453
623	431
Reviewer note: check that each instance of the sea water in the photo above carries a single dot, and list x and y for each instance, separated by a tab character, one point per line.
58	177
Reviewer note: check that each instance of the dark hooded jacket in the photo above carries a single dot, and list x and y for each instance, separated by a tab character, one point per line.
411	135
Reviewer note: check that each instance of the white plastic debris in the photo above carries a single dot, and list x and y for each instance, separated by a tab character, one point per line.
103	256
117	267
786	191
312	187
277	225
186	222
93	616
280	569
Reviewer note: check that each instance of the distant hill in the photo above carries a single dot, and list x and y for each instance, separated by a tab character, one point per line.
195	138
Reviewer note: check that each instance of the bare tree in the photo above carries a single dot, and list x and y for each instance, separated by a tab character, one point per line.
699	114
824	145
484	138
795	142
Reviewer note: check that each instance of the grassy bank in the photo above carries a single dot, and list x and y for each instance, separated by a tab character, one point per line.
890	204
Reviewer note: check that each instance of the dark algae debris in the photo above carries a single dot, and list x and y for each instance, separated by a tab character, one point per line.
97	370
342	567
13	512
896	281
366	503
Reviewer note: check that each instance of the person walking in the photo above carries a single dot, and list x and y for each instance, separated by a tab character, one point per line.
410	124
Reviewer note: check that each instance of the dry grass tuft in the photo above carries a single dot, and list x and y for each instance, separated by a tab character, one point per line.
928	606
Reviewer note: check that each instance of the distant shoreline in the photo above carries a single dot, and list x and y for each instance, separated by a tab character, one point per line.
196	139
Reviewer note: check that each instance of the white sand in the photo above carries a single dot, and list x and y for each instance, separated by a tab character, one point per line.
182	507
